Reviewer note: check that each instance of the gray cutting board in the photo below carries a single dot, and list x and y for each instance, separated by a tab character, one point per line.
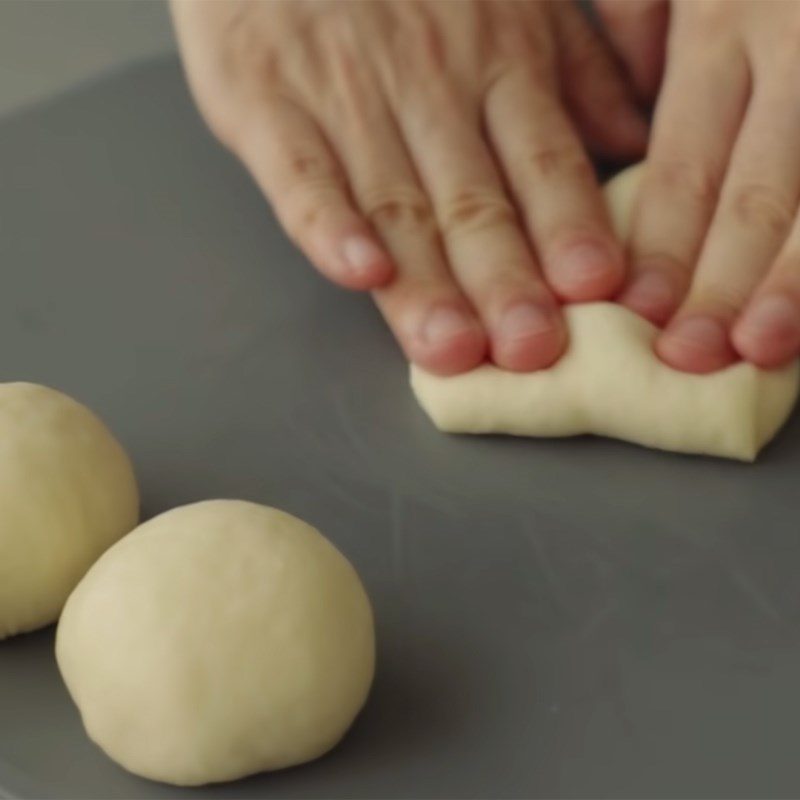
555	618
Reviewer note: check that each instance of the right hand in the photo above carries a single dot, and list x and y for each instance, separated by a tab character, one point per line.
423	151
715	234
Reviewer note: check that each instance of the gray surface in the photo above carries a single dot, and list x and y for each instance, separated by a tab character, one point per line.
565	618
49	45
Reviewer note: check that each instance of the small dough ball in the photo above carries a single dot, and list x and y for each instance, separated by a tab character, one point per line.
218	640
67	492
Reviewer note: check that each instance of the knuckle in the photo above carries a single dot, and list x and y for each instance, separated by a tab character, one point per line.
762	208
471	210
308	206
661	261
689	180
546	161
312	189
310	169
400	207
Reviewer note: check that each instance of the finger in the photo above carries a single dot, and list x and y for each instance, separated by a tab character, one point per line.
487	249
697	117
554	185
757	206
638	30
292	163
428	313
598	94
423	306
768	332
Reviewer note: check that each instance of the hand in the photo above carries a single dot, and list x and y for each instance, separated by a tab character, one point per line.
715	240
423	151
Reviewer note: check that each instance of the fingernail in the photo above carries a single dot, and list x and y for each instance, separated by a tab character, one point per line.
651	293
583	263
525	320
775	314
361	254
700	333
445	324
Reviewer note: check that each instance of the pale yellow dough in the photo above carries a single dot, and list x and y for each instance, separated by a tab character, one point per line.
67	492
217	640
611	383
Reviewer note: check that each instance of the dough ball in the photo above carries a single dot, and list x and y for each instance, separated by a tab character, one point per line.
67	492
218	640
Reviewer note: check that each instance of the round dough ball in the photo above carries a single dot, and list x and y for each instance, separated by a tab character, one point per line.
217	640
67	492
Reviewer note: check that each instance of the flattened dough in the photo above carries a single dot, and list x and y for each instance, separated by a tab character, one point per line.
611	383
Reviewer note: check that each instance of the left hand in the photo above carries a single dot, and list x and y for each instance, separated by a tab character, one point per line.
715	238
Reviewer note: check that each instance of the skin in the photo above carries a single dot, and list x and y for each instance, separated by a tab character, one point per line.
432	153
715	245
